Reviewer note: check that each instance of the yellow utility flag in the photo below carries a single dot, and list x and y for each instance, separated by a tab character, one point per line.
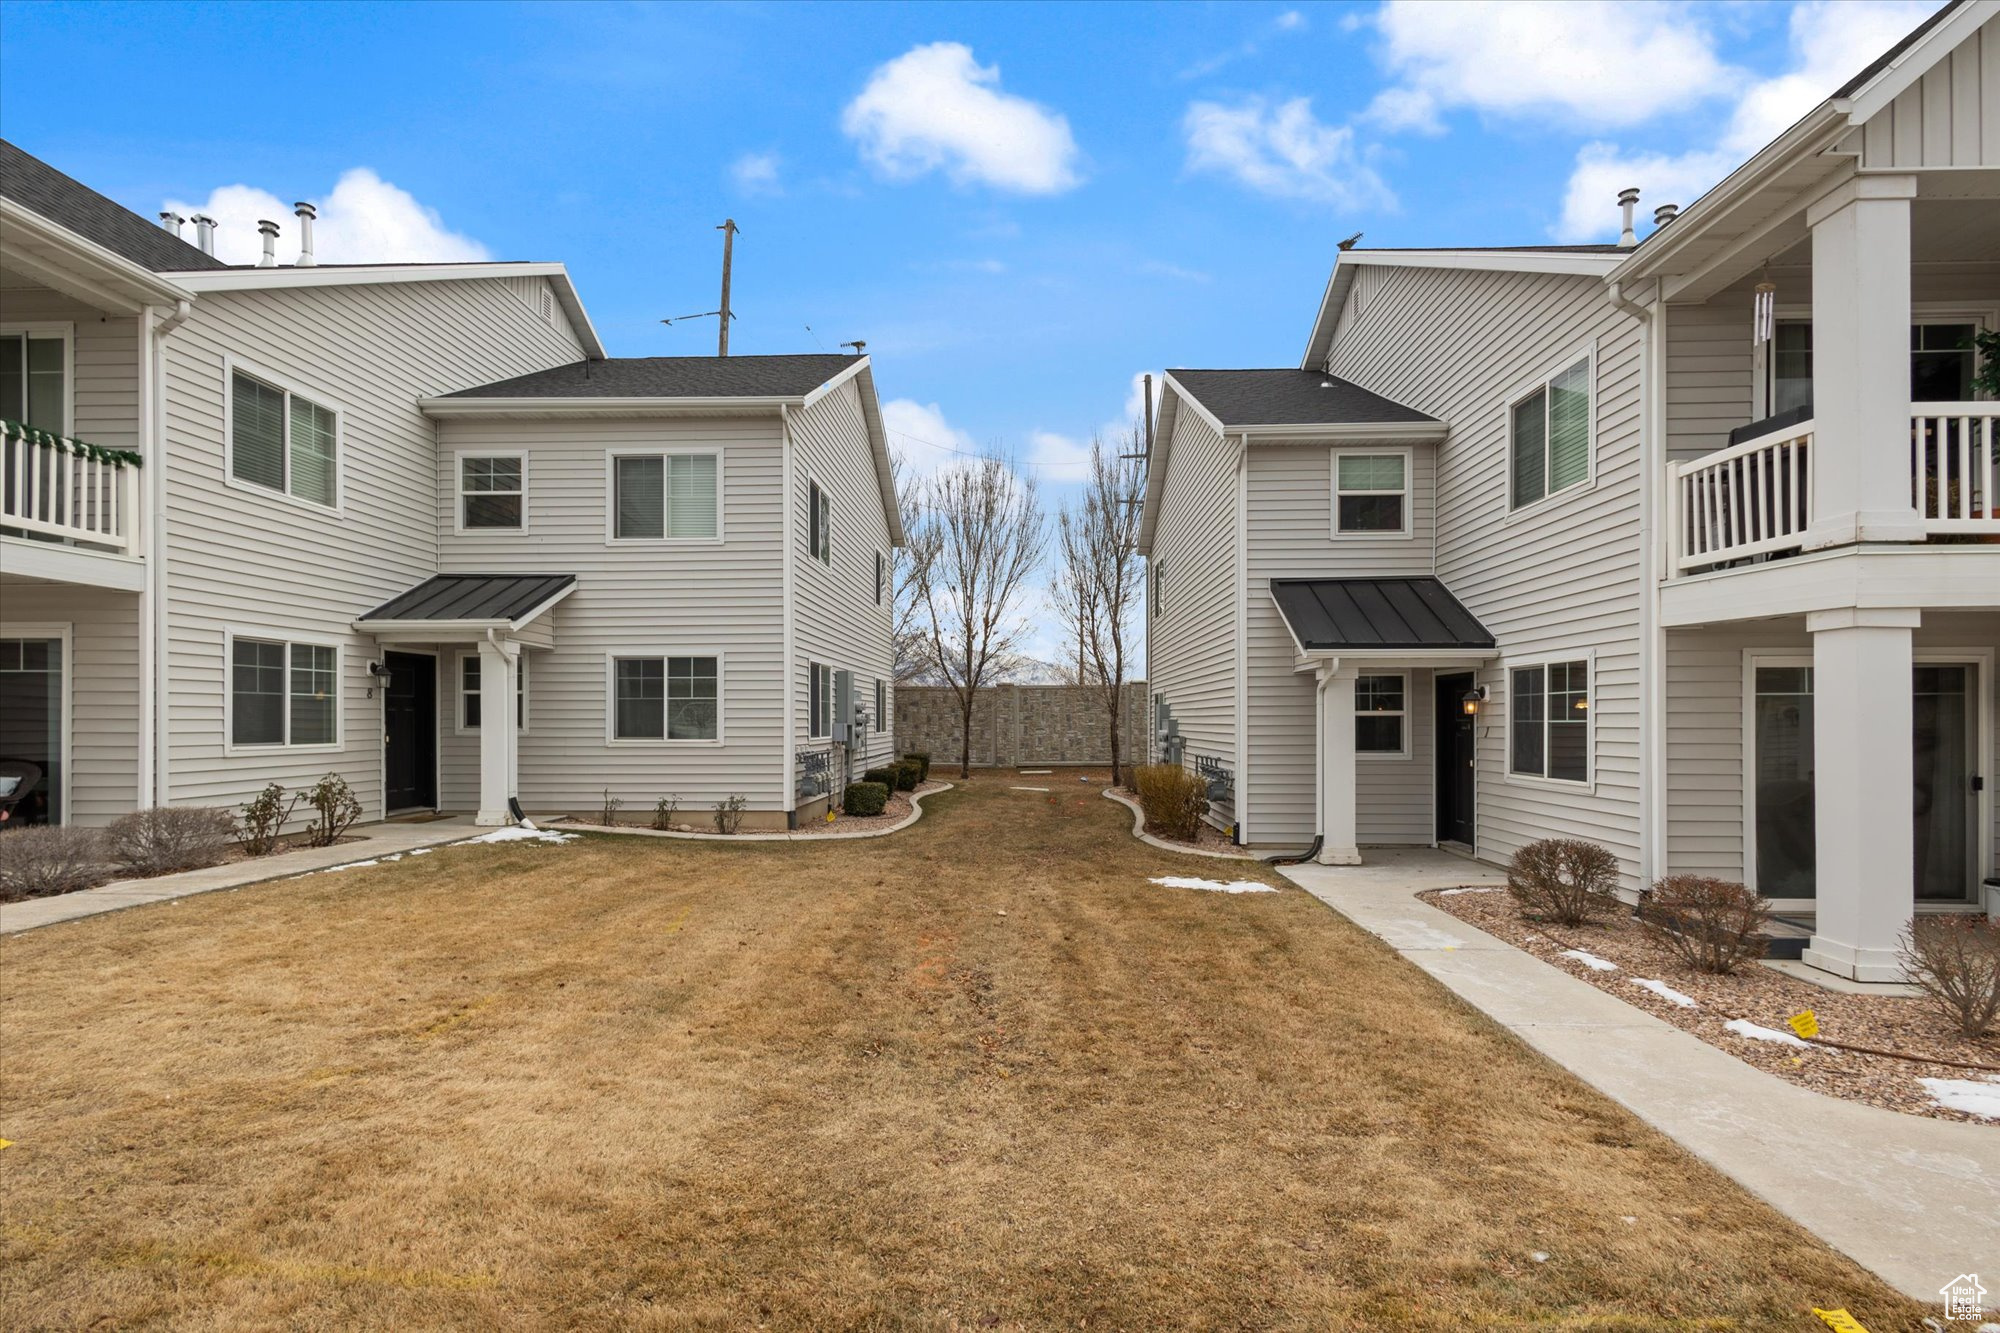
1806	1024
1838	1319
6	1143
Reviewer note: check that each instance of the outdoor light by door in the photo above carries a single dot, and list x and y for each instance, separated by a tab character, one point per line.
1471	700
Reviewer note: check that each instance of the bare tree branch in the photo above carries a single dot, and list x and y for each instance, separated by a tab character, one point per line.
1098	576
909	628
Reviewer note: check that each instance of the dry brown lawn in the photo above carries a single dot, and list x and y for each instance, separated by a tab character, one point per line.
977	1075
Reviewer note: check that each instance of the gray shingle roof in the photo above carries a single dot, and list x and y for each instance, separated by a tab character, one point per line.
472	597
1332	614
1290	398
673	377
35	185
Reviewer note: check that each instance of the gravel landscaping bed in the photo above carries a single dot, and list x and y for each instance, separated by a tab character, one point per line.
1209	839
1760	996
895	812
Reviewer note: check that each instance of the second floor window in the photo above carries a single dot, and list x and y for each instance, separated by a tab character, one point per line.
1371	493
658	497
32	389
283	441
1549	436
881	576
491	491
822	524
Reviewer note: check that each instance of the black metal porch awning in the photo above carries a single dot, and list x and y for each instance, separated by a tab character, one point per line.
1373	615
509	599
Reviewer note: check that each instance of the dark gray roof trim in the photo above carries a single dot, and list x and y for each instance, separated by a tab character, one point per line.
1883	61
474	597
674	377
40	188
1333	615
1291	398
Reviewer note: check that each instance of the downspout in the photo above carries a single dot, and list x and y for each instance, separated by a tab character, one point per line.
788	791
1320	679
1240	821
1652	637
154	762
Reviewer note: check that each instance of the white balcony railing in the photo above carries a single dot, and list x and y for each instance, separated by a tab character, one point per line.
54	487
1954	468
1750	499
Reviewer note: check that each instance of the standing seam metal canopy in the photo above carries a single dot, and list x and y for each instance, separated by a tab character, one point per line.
1413	613
473	597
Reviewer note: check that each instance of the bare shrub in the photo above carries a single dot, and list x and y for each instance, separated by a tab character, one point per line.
1956	961
664	810
607	813
1563	880
1174	800
263	819
729	813
1712	925
47	859
335	808
168	839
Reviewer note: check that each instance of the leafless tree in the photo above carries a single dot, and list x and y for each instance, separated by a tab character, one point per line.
981	527
1098	576
909	628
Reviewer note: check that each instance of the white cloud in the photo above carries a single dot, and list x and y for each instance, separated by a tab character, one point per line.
1164	269
1291	21
1830	43
757	174
1604	62
1058	458
365	220
1282	150
1407	110
934	108
921	437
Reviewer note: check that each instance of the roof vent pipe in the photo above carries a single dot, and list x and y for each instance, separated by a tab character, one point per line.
270	231
1664	214
305	213
172	222
204	233
1628	199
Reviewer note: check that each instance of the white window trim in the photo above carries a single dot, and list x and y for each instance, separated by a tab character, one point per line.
881	706
458	489
817	492
881	576
63	630
233	366
611	537
611	736
526	685
1508	666
1528	389
53	328
1408	529
1390	756
1159	572
1987	317
825	697
230	635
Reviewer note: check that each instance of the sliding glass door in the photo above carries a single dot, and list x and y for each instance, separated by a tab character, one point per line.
1947	757
31	730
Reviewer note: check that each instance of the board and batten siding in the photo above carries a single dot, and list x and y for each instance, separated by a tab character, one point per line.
836	620
1560	579
268	565
1192	649
1290	535
665	598
1949	118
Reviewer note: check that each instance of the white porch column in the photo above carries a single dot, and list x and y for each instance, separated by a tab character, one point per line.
499	674
1861	364
1862	782
1338	845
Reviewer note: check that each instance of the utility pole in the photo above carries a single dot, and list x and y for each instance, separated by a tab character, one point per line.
728	230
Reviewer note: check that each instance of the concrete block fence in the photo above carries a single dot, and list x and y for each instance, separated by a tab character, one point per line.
1021	726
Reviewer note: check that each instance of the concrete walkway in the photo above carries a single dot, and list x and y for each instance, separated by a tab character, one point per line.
376	840
1915	1200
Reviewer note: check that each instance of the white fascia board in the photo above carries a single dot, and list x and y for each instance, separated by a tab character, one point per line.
878	437
1326	321
1900	74
1434	659
365	275
854	368
1867	577
1214	421
1419	432
589	407
1171	397
1579	264
133	285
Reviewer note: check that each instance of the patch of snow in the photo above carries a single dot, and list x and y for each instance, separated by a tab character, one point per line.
1980	1097
1446	893
1666	992
352	865
1540	1256
524	833
1212	885
1590	960
1743	1027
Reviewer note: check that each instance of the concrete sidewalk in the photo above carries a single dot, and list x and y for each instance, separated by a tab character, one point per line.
375	840
1917	1201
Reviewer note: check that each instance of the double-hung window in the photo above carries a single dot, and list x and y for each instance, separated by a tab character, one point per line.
1942	361
666	497
666	699
492	491
881	576
881	705
1159	588
820	701
1548	721
469	671
1549	436
1371	492
282	441
821	532
34	379
283	693
1380	708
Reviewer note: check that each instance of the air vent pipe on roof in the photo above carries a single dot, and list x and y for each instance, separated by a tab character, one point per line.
1628	200
204	233
1664	214
172	222
305	213
270	231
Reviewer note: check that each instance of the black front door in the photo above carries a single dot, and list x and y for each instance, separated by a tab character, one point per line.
409	732
1455	757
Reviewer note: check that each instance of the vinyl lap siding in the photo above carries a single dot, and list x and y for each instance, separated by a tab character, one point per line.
1559	578
835	618
670	599
265	564
1192	653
